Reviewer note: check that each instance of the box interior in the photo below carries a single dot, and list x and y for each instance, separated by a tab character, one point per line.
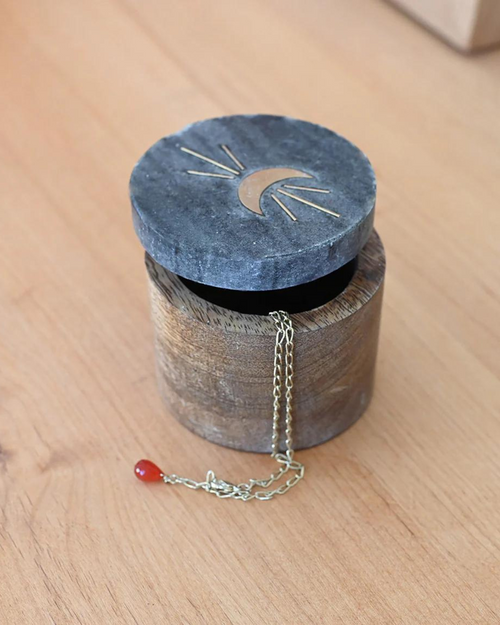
300	298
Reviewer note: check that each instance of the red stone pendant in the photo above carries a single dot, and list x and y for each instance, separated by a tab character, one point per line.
147	471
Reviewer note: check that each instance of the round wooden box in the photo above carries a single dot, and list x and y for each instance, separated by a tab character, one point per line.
240	216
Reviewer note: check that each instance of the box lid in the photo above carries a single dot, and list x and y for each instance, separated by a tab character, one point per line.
253	202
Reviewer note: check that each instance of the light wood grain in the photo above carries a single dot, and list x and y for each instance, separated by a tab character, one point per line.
398	519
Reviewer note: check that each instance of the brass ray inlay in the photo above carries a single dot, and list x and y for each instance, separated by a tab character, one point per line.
238	164
252	187
293	186
206	173
312	204
210	160
282	206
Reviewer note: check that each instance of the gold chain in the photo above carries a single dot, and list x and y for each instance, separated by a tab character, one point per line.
250	490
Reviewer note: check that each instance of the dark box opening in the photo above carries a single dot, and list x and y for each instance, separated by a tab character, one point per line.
295	299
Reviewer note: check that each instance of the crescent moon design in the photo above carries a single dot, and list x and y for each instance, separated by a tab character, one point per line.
253	186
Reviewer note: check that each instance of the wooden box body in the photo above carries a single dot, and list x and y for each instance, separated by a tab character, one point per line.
215	366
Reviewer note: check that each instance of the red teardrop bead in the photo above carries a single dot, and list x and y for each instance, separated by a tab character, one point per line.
147	471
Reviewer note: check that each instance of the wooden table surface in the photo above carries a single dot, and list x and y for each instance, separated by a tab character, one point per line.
398	520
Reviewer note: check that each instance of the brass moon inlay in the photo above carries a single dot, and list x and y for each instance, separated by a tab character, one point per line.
253	186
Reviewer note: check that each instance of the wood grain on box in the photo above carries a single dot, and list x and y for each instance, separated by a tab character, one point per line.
215	366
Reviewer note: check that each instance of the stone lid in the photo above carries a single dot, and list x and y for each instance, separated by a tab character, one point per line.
253	202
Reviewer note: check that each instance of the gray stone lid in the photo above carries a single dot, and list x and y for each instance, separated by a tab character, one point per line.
253	202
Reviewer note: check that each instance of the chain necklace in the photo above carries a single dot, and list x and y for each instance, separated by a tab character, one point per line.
147	471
